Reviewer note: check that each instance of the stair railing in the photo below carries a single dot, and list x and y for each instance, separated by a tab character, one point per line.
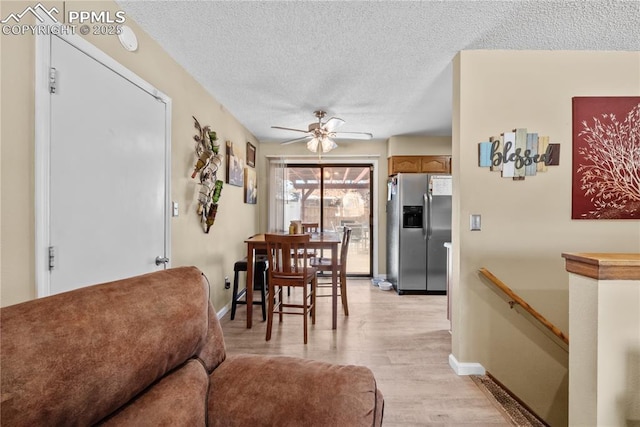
514	299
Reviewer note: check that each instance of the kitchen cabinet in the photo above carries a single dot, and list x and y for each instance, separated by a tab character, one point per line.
419	164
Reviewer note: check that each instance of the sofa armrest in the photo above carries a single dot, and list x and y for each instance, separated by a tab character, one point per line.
288	391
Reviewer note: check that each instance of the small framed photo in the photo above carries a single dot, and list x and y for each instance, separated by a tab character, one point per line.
235	166
250	186
251	155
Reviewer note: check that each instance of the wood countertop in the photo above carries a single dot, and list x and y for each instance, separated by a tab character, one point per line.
604	266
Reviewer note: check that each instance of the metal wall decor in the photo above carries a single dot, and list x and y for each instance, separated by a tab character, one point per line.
518	153
207	166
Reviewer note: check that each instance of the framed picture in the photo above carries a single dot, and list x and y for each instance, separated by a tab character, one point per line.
234	166
251	155
250	186
605	181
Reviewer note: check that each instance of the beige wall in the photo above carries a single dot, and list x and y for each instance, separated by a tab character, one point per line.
214	253
419	145
526	225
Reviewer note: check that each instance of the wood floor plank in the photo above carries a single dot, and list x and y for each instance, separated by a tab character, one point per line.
404	340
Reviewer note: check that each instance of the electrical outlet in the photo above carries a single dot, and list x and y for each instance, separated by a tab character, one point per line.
227	283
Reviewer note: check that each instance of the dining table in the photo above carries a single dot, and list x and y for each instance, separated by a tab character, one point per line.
321	240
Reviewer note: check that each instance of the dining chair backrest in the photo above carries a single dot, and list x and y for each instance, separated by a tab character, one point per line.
344	248
326	265
310	227
287	254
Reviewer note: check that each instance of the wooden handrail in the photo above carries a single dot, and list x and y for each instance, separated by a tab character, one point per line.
515	299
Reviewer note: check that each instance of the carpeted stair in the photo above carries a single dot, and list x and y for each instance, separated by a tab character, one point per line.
515	410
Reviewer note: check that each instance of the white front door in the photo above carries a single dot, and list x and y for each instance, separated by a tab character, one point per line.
108	188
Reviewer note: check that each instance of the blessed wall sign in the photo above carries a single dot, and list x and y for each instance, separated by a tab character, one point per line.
518	154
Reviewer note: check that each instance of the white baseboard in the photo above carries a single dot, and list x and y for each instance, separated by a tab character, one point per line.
465	368
224	311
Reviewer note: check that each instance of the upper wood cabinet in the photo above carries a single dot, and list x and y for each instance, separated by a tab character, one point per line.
419	164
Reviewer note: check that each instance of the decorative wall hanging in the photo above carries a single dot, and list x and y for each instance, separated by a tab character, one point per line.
518	153
251	155
235	167
606	158
250	186
207	165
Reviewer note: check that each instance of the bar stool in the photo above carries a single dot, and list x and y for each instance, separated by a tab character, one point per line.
259	283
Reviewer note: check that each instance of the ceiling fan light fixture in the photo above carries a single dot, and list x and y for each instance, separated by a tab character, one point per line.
312	145
328	144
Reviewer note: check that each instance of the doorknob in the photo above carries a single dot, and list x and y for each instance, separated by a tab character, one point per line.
161	260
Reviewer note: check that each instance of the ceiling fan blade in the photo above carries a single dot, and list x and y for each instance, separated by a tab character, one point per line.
333	123
283	128
352	135
291	141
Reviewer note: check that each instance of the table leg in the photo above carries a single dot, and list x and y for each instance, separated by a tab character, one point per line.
249	294
334	286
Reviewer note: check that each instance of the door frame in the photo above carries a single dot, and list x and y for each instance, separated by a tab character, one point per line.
341	159
43	139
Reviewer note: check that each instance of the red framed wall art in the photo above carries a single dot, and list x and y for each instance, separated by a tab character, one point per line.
606	158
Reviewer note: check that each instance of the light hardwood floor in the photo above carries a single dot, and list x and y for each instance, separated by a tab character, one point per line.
404	340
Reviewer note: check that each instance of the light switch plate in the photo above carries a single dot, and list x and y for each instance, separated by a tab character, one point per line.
475	222
174	205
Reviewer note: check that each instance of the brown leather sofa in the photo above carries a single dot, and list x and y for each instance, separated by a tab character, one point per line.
149	351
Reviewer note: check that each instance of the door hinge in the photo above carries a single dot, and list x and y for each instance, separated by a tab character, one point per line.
52	80
52	257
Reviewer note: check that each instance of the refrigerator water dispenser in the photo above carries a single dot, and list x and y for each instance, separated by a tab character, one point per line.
412	217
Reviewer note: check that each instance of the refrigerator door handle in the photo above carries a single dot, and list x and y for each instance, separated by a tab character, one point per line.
429	201
425	204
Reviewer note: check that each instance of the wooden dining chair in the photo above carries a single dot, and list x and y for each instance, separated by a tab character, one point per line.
288	267
310	227
324	264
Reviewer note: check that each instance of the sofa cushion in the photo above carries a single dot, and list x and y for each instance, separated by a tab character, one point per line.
212	352
74	358
252	390
178	399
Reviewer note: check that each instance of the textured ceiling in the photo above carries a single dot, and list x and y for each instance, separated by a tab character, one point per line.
382	66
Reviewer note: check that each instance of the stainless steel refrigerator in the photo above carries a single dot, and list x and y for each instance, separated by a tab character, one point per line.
418	225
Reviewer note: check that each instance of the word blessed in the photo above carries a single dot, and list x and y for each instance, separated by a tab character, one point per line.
514	155
518	153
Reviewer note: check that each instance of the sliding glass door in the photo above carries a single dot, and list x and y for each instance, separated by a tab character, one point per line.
335	196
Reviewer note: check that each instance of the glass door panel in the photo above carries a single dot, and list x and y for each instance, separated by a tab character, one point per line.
334	196
302	201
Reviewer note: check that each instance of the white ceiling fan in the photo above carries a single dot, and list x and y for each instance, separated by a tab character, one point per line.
320	134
